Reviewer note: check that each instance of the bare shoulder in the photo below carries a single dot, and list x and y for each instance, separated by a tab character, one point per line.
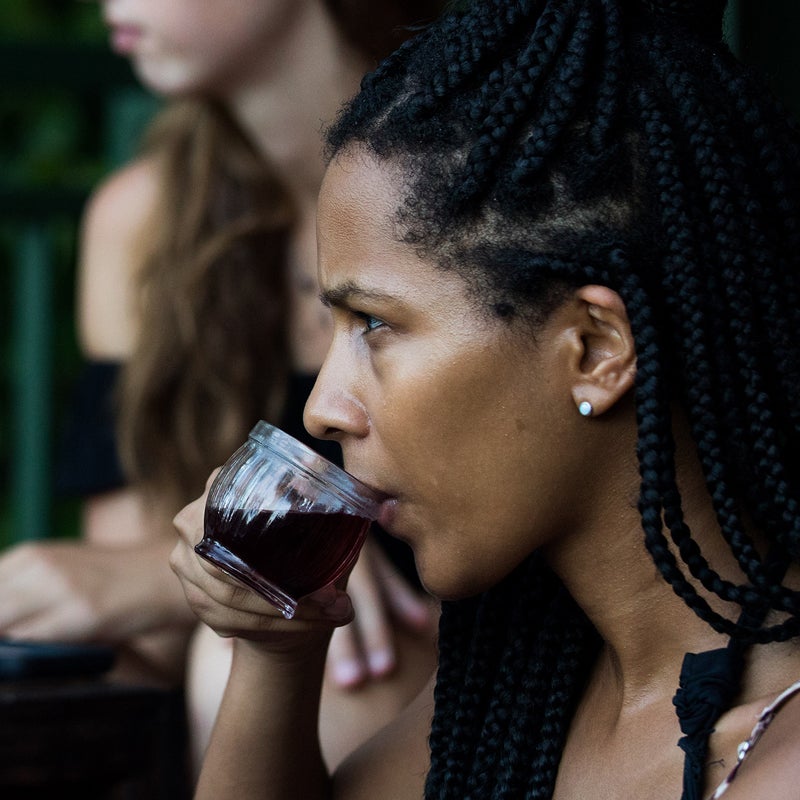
113	236
394	762
772	767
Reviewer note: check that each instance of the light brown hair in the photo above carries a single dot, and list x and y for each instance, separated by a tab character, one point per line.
211	357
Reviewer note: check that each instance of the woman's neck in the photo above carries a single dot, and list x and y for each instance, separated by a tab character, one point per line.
647	628
296	88
608	570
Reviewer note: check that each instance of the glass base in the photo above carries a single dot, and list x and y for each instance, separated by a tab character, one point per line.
232	565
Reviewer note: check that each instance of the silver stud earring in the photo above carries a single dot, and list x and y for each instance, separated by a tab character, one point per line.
585	408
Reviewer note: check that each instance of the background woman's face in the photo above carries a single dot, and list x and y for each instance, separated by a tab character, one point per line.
454	413
184	46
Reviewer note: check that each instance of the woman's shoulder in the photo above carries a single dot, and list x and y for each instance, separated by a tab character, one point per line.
114	237
133	187
769	759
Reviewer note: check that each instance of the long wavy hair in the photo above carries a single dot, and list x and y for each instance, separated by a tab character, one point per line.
211	356
546	144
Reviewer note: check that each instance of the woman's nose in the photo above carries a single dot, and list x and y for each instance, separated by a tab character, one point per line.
333	411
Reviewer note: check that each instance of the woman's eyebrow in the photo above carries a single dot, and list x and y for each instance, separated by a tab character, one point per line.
342	294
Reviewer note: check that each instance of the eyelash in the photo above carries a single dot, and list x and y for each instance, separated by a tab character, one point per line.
371	323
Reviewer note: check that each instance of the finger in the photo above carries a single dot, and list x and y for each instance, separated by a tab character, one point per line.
218	586
33	588
189	520
22	626
261	625
48	614
377	640
328	603
344	663
372	616
233	609
215	584
48	628
18	605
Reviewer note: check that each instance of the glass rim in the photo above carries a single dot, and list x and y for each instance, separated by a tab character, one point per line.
315	465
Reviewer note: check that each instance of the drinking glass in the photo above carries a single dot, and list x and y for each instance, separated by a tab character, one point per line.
283	520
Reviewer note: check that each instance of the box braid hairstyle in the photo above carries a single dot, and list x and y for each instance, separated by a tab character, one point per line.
546	144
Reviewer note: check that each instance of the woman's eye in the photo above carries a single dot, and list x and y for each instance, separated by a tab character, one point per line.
370	323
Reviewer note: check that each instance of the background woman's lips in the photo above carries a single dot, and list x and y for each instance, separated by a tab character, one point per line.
124	38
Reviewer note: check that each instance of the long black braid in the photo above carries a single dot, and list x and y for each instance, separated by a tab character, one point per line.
551	143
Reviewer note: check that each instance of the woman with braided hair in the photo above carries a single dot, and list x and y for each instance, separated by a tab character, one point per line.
560	241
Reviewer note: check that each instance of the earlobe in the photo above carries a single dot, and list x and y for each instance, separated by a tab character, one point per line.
605	368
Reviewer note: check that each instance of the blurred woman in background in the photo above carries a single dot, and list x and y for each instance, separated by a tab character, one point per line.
198	315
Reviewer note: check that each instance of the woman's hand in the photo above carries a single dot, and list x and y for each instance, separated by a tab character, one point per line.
52	590
232	609
75	591
382	600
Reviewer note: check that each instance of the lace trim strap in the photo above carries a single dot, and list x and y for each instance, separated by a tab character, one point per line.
764	720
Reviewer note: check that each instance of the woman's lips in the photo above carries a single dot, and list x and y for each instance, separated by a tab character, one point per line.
388	503
124	38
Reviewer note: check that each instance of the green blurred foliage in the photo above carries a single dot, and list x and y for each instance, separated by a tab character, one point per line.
64	20
47	139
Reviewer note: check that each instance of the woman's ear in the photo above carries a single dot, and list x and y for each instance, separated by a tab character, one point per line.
604	354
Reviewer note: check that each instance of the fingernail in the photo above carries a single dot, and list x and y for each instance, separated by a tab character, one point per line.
348	673
380	662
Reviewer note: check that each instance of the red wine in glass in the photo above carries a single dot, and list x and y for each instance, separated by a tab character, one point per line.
283	555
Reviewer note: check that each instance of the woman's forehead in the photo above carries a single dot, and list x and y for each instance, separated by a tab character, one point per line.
357	209
356	177
362	255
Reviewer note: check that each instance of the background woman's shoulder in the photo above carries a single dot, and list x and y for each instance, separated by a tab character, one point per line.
115	235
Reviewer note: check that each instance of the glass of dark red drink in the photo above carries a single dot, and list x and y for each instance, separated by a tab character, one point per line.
284	520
